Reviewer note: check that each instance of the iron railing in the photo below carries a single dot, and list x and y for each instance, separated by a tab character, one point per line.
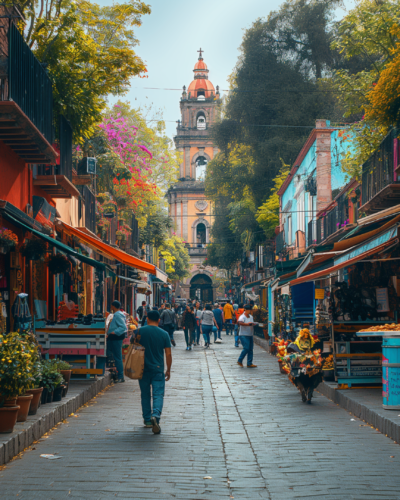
28	84
65	148
378	170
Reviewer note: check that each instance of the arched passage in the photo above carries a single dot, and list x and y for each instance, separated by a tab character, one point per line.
201	288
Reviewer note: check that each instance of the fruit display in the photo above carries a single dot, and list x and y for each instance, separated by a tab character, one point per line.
328	363
281	347
383	328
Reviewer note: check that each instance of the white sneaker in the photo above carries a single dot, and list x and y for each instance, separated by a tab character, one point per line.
218	341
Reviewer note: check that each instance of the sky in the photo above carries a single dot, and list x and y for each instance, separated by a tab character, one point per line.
170	38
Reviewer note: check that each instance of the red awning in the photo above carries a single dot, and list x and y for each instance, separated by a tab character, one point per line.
330	270
109	251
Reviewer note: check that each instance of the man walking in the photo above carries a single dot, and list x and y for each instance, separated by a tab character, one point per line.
228	315
142	312
219	318
189	325
238	313
168	322
198	312
115	335
155	341
246	324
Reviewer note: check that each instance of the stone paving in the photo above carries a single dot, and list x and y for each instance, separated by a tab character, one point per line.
245	429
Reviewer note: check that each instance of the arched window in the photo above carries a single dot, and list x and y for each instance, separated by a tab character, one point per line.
201	235
201	166
201	121
201	95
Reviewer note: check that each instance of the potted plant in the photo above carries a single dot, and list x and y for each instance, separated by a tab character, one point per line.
17	356
51	379
66	371
58	264
109	209
8	240
103	197
34	249
119	234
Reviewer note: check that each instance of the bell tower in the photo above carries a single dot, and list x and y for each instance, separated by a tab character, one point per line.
188	207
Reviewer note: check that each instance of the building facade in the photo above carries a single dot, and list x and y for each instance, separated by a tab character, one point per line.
188	207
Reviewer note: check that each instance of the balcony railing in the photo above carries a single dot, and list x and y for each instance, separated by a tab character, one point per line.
28	84
380	185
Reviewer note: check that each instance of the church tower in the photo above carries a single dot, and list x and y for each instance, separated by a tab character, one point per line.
188	207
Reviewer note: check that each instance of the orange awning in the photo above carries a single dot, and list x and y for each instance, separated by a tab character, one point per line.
330	270
109	251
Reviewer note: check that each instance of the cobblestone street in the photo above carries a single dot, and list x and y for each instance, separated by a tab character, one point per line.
245	429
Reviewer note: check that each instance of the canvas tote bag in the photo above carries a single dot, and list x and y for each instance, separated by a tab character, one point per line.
134	362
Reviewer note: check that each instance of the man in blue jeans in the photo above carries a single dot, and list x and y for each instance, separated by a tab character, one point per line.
246	324
219	318
155	340
115	335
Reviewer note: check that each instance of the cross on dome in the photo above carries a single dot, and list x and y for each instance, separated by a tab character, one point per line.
201	53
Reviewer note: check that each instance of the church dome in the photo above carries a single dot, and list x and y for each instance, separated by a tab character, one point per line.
201	87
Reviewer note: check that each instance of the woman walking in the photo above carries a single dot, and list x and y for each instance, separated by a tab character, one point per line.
207	321
189	326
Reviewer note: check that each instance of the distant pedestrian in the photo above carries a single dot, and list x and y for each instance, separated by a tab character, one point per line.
246	332
238	313
142	312
189	326
168	322
207	321
219	318
155	341
228	315
197	313
115	335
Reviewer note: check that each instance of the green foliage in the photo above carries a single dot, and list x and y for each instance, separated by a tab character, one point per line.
51	376
89	52
268	212
156	231
176	257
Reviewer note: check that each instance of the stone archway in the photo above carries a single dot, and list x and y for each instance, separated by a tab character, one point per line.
201	288
196	157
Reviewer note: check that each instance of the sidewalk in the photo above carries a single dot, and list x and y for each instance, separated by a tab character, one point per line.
48	415
365	404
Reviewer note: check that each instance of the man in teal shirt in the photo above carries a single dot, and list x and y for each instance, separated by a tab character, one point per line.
155	340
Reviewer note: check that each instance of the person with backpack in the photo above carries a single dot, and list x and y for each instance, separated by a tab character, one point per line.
168	322
116	333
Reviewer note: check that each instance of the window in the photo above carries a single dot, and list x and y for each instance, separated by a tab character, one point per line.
201	96
201	121
201	166
201	235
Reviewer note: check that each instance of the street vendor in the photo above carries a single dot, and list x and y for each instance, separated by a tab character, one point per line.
303	343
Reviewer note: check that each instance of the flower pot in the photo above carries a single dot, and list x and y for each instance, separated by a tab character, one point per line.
119	237
43	399
57	394
24	403
11	402
37	394
266	336
8	418
67	377
49	396
65	390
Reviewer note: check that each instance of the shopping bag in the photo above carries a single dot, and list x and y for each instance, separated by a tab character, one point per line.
134	362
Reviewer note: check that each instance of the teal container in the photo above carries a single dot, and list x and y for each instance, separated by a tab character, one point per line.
391	371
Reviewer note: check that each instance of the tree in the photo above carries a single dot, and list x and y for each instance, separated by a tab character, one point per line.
268	212
370	31
88	51
156	231
176	257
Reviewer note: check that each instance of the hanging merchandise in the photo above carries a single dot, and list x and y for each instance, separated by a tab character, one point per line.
21	313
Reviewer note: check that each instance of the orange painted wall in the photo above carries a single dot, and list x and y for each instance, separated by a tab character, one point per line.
16	184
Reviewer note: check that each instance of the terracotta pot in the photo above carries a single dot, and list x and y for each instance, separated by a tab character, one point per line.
266	336
11	402
8	418
37	394
67	377
24	403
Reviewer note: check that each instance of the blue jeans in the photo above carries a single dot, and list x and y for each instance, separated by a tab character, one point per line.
207	329
115	347
248	346
189	336
228	326
170	330
157	382
219	330
237	335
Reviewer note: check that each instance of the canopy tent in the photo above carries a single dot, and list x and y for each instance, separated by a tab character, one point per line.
111	252
60	246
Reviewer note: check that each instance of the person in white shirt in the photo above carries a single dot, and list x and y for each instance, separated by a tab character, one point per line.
246	324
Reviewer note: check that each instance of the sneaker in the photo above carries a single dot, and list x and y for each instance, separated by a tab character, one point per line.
120	381
147	424
251	366
155	425
236	345
190	348
187	348
218	341
240	364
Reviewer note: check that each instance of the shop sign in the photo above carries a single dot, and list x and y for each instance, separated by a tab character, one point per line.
382	298
319	293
